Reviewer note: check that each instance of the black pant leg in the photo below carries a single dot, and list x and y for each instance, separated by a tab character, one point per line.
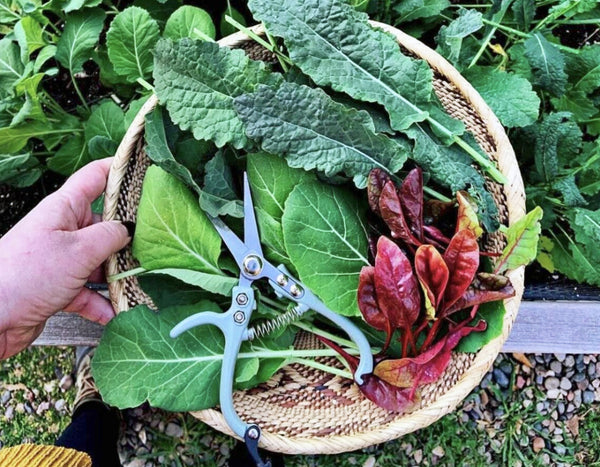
94	429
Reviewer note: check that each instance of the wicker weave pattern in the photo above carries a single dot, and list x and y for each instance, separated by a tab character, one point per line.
302	410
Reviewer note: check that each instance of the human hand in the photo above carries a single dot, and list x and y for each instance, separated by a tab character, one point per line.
47	258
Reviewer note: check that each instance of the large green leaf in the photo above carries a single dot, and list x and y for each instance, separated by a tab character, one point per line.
510	97
159	151
326	239
81	34
197	81
452	168
172	231
15	138
183	22
522	239
272	180
137	361
548	64
313	131
11	68
130	41
334	44
410	10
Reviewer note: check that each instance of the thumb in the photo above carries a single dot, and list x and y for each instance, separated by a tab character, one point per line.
99	241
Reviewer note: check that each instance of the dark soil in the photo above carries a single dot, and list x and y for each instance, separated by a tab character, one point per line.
16	202
579	35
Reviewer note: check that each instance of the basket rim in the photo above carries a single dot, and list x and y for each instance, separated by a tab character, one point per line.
446	402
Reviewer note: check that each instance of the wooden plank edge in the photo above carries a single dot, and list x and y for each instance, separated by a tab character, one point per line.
540	327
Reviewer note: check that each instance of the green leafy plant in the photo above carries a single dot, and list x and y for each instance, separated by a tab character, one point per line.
519	55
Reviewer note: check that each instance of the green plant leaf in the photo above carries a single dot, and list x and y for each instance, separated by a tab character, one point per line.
218	179
13	139
577	103
29	35
524	11
349	55
214	283
185	19
19	170
452	168
71	156
522	239
166	291
574	259
137	361
567	186
584	69
171	229
12	69
80	36
158	150
510	97
586	225
226	28
73	5
106	119
130	41
450	38
414	9
548	64
493	314
45	54
272	180
284	122
197	81
102	146
326	239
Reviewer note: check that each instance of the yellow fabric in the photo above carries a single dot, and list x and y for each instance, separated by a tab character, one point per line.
34	455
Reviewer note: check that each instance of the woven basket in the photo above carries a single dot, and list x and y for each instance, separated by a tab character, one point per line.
303	410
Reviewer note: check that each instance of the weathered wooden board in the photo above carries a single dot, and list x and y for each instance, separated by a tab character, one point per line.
541	327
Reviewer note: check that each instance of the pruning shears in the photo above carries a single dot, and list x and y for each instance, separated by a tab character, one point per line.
234	322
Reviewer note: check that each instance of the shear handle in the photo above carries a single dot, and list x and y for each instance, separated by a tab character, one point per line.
235	330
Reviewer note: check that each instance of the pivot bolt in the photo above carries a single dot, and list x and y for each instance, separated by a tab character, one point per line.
252	265
241	299
239	317
253	433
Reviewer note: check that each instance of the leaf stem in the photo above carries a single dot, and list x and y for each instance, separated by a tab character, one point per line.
145	84
338	340
321	366
293	353
202	35
435	194
78	91
125	274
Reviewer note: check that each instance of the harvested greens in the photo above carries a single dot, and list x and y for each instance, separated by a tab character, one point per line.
337	142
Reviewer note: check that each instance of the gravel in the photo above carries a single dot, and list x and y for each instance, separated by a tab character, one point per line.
561	388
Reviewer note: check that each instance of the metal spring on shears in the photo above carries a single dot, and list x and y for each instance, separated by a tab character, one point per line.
270	325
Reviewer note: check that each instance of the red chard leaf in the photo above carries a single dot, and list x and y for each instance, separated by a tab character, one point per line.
411	197
432	272
486	287
396	286
426	367
367	303
387	396
377	180
390	208
462	258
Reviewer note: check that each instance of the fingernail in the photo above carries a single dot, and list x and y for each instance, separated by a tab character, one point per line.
130	226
